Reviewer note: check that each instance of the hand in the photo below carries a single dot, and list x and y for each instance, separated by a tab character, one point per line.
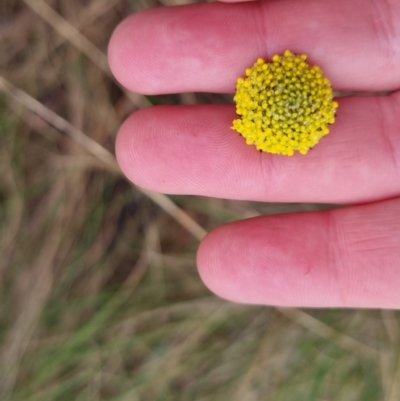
348	257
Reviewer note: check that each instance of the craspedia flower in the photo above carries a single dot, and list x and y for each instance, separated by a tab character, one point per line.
285	105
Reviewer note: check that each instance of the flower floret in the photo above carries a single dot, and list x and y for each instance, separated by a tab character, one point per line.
285	105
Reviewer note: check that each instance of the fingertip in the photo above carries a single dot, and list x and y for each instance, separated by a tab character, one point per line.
270	260
232	266
118	54
149	153
121	143
127	57
129	150
211	270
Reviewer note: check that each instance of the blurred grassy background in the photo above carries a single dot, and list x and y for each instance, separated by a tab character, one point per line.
100	297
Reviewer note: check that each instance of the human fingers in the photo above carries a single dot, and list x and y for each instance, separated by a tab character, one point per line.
234	1
192	150
339	258
205	47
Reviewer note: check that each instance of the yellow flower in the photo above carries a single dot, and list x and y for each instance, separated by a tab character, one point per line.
285	105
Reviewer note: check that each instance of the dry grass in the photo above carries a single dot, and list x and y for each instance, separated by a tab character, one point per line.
100	298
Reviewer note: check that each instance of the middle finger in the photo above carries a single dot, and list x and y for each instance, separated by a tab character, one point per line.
192	150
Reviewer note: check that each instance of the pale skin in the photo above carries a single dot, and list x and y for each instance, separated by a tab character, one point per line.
348	257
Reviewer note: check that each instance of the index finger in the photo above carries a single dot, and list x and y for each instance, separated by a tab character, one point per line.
205	47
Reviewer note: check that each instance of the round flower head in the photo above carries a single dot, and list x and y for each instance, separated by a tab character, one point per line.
285	105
